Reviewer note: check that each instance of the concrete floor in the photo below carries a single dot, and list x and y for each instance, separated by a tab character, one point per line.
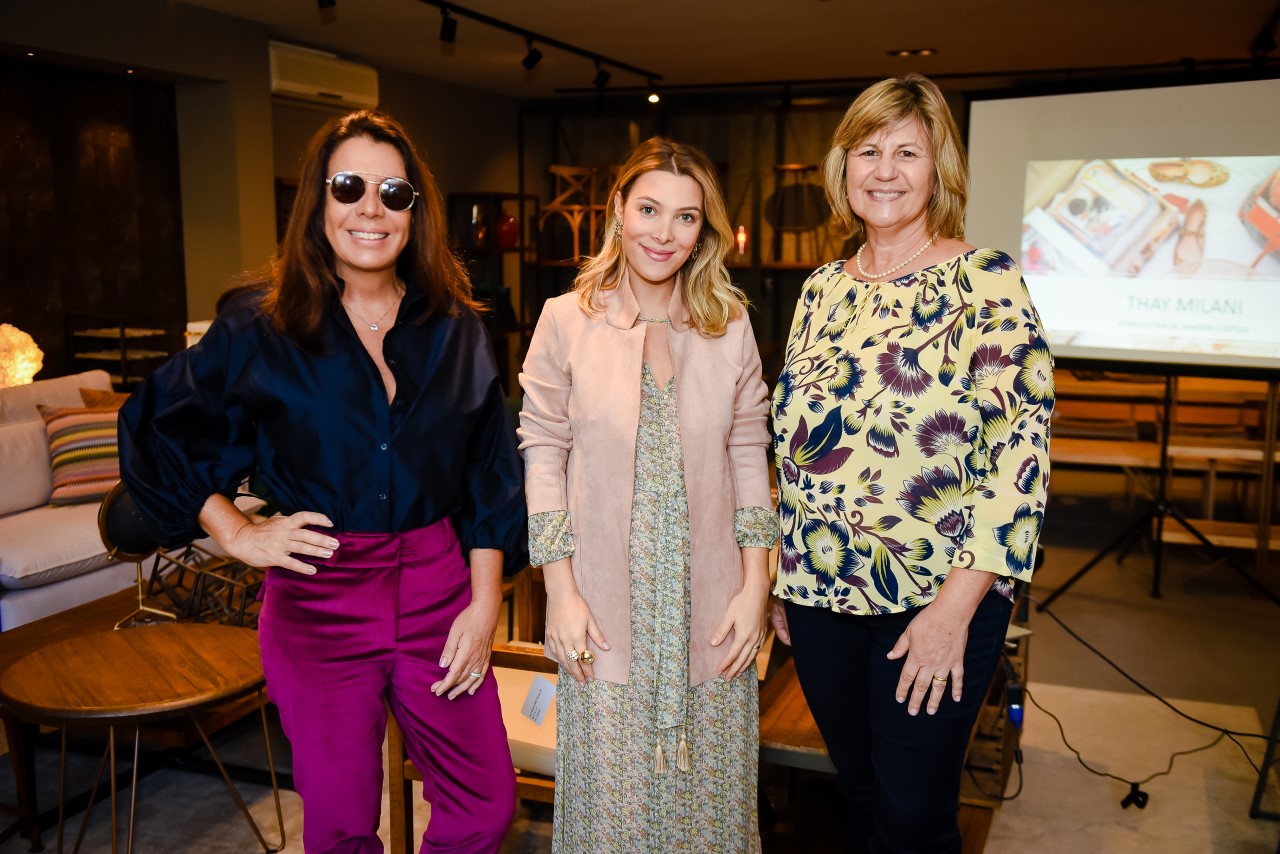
1211	636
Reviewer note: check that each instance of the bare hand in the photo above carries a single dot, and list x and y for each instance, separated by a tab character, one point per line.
778	616
569	624
934	648
745	617
274	541
467	649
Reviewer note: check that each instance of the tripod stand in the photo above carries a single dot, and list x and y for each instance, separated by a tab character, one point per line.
1160	508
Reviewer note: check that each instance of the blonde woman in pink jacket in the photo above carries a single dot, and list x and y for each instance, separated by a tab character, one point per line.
644	435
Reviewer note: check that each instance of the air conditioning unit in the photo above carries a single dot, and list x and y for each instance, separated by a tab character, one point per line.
314	75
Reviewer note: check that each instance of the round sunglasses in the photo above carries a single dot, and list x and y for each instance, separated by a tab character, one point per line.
396	194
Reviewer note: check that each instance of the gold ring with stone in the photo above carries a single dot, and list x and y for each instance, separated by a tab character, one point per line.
588	657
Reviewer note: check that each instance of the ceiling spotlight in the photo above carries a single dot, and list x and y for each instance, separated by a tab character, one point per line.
448	26
532	58
326	4
654	96
602	76
915	51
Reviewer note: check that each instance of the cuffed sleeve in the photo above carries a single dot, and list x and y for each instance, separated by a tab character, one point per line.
755	527
184	436
550	537
1011	373
545	433
749	434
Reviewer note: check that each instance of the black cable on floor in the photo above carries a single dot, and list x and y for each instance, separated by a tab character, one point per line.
1136	796
1079	758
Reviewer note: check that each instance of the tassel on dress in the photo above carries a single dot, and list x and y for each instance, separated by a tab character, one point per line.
682	753
660	760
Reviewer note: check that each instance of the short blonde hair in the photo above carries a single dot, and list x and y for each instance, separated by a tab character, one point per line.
708	292
887	103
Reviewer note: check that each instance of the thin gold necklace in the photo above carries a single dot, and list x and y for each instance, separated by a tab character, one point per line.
870	277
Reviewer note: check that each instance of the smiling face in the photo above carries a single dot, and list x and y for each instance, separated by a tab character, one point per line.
661	222
366	237
890	177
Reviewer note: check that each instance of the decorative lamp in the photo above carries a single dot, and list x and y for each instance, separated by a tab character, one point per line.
20	358
742	240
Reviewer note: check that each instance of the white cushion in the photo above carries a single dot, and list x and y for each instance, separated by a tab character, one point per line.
46	544
18	607
24	459
18	403
533	747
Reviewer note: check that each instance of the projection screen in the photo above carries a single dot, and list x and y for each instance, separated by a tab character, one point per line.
1147	222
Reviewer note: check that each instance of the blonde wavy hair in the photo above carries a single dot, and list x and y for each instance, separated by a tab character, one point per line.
887	103
708	293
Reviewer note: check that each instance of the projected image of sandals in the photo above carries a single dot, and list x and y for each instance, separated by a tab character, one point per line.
1198	173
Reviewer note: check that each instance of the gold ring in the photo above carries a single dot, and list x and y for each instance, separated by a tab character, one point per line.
587	656
941	679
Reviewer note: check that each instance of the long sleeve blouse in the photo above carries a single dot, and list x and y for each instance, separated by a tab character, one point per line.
319	434
911	434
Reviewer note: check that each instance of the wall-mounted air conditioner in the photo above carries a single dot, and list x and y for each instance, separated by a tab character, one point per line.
313	75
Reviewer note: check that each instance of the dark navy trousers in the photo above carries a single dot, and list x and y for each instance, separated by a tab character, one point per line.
899	776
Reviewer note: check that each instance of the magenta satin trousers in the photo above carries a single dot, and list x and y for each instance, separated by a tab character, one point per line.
364	633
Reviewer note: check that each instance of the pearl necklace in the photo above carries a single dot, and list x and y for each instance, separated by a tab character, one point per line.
873	276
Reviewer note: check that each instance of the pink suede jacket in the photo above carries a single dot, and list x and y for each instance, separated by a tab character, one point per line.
577	431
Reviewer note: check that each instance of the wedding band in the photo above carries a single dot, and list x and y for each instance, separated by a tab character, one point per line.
573	655
941	679
476	674
588	657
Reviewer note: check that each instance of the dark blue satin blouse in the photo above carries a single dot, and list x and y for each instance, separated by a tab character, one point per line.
319	433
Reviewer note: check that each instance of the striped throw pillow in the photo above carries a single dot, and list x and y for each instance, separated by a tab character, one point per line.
84	452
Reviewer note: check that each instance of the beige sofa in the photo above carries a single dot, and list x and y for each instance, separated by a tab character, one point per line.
51	558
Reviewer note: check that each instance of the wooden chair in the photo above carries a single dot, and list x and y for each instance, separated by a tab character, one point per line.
532	747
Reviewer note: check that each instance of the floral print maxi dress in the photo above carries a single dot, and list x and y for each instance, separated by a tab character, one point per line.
610	795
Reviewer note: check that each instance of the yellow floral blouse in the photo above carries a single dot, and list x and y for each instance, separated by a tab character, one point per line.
911	434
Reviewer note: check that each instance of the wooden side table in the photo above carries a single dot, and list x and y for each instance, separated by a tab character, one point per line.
127	677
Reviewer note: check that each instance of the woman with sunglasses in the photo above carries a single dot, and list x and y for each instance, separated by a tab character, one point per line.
357	385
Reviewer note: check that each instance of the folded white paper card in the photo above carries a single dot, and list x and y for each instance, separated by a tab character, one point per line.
538	701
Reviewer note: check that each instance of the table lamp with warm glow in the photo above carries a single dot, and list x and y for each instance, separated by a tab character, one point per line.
20	358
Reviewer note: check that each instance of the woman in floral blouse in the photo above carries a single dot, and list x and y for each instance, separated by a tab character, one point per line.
911	431
644	432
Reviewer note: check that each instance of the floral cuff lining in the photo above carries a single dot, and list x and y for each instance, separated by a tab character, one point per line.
550	537
755	527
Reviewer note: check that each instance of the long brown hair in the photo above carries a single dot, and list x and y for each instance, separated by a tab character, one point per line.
708	293
302	277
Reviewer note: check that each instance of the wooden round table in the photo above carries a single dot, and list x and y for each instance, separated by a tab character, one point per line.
139	674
